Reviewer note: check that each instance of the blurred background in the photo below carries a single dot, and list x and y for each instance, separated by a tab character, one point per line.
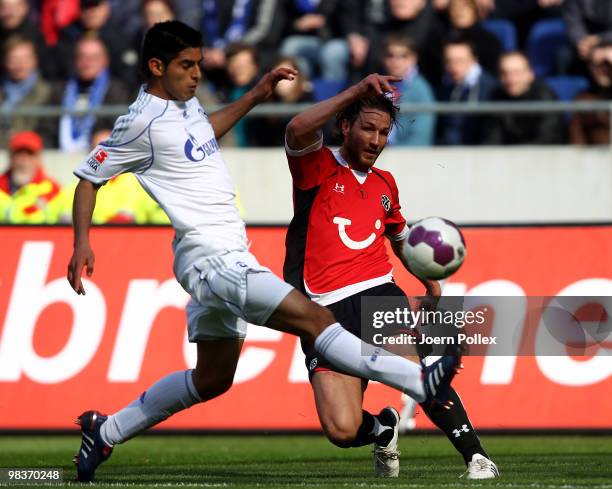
504	128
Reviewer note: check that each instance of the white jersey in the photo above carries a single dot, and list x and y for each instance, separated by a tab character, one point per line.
171	148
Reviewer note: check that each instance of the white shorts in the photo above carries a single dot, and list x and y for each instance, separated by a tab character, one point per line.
227	291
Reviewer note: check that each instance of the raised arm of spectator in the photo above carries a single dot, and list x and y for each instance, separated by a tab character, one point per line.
304	129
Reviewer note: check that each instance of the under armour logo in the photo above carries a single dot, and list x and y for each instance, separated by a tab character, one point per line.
339	188
185	114
464	429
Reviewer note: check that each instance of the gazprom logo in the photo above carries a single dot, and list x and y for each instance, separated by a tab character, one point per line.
198	153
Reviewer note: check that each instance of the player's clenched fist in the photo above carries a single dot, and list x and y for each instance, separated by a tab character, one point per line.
82	257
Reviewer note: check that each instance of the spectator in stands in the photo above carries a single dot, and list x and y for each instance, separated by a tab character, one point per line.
258	23
463	18
14	20
242	71
91	86
464	81
128	12
415	19
22	85
589	24
519	84
155	11
152	12
594	127
316	36
96	20
55	16
28	193
400	59
270	131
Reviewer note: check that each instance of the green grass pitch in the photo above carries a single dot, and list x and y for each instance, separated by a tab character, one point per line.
310	461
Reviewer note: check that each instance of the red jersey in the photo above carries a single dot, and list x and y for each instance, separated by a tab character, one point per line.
335	243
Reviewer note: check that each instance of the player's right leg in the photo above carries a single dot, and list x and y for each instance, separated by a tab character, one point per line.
339	400
237	283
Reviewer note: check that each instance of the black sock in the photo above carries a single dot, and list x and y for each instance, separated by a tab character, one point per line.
365	433
456	425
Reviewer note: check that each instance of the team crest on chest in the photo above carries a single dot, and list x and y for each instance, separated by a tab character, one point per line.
386	202
339	188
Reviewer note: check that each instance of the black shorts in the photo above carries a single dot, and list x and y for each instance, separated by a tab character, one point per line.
348	314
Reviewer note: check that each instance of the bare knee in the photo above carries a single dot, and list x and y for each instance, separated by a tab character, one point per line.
211	386
342	432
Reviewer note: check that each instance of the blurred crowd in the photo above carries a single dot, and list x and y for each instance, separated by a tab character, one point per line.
83	54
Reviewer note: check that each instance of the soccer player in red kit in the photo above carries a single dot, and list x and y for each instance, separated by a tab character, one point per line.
344	208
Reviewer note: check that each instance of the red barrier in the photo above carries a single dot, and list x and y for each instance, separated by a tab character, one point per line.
61	353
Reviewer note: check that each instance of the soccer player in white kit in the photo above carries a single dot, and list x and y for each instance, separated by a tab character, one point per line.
170	143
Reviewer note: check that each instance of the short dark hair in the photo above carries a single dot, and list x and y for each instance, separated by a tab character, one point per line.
236	48
384	103
460	40
400	40
16	40
165	40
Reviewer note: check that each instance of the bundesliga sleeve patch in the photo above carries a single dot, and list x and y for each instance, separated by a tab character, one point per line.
97	159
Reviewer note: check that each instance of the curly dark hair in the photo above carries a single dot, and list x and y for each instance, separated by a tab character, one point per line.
384	103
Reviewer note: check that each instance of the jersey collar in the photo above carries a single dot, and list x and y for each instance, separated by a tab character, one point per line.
361	175
178	104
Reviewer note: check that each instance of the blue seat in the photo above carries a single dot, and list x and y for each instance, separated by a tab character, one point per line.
567	87
546	39
324	89
504	30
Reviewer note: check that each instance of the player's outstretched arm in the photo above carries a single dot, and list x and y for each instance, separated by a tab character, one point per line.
432	287
303	130
82	255
224	119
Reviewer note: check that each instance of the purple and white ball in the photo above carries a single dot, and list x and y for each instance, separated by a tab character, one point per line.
434	248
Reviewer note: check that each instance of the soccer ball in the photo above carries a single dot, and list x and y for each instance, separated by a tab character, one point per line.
434	248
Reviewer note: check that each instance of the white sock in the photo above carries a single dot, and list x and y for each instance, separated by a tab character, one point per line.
349	353
166	397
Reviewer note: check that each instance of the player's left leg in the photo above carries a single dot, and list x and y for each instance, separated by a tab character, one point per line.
213	375
456	425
